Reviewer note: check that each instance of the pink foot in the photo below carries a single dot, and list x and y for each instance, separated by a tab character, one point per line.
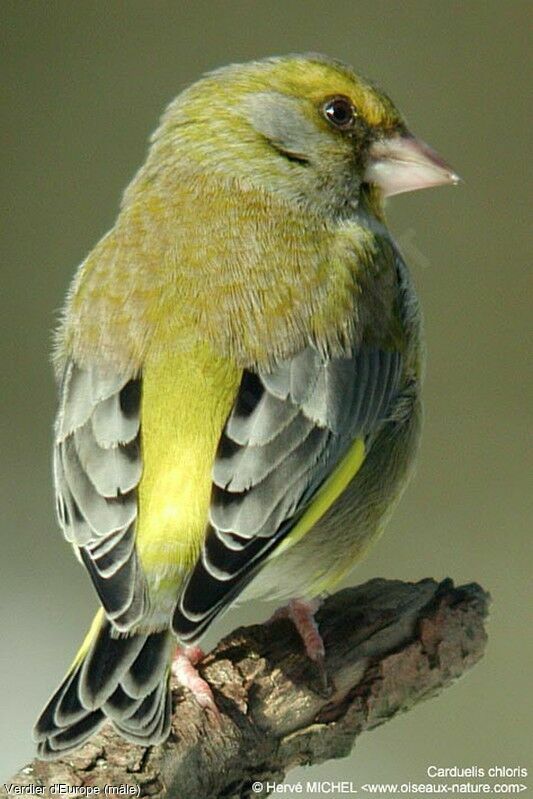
302	615
184	670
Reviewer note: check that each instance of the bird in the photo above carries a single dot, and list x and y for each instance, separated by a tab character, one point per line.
239	362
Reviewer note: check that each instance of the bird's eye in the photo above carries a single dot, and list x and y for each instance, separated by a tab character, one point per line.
339	112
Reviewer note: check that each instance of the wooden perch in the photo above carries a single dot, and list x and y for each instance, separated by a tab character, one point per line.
389	645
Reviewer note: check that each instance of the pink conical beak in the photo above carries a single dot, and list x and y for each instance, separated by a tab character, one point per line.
404	163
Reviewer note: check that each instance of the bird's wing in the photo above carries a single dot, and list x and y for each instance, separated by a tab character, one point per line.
97	468
293	440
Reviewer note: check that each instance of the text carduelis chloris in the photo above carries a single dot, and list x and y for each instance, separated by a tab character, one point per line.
239	364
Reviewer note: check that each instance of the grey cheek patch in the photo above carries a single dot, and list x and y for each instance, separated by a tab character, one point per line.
280	120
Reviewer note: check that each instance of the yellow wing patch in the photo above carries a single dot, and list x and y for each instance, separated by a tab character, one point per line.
89	638
327	494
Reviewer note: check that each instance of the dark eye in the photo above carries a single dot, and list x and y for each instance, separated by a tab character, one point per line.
340	112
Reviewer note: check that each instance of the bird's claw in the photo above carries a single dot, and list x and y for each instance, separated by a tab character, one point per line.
302	615
184	670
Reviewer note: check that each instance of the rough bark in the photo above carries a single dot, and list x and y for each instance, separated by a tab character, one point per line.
389	645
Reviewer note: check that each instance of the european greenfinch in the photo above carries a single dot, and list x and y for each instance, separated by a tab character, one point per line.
240	365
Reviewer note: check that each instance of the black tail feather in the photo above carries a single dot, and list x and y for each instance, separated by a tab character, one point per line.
125	679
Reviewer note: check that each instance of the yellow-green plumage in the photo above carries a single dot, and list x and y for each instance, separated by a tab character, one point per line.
240	364
186	399
225	286
210	263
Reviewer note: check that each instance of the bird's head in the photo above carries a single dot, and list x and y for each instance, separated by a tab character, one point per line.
306	127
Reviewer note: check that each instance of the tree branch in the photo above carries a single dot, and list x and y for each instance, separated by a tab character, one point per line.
389	645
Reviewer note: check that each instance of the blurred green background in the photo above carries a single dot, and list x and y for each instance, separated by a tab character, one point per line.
83	85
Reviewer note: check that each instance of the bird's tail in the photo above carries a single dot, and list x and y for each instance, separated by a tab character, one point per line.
125	679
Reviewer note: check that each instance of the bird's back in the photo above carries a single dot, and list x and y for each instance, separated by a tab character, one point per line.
186	398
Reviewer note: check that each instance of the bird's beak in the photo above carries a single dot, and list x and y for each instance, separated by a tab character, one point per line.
404	163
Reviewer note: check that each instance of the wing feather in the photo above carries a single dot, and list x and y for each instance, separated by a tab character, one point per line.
113	470
268	419
97	469
239	468
288	431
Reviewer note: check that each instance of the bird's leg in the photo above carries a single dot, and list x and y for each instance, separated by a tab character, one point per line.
302	615
184	670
